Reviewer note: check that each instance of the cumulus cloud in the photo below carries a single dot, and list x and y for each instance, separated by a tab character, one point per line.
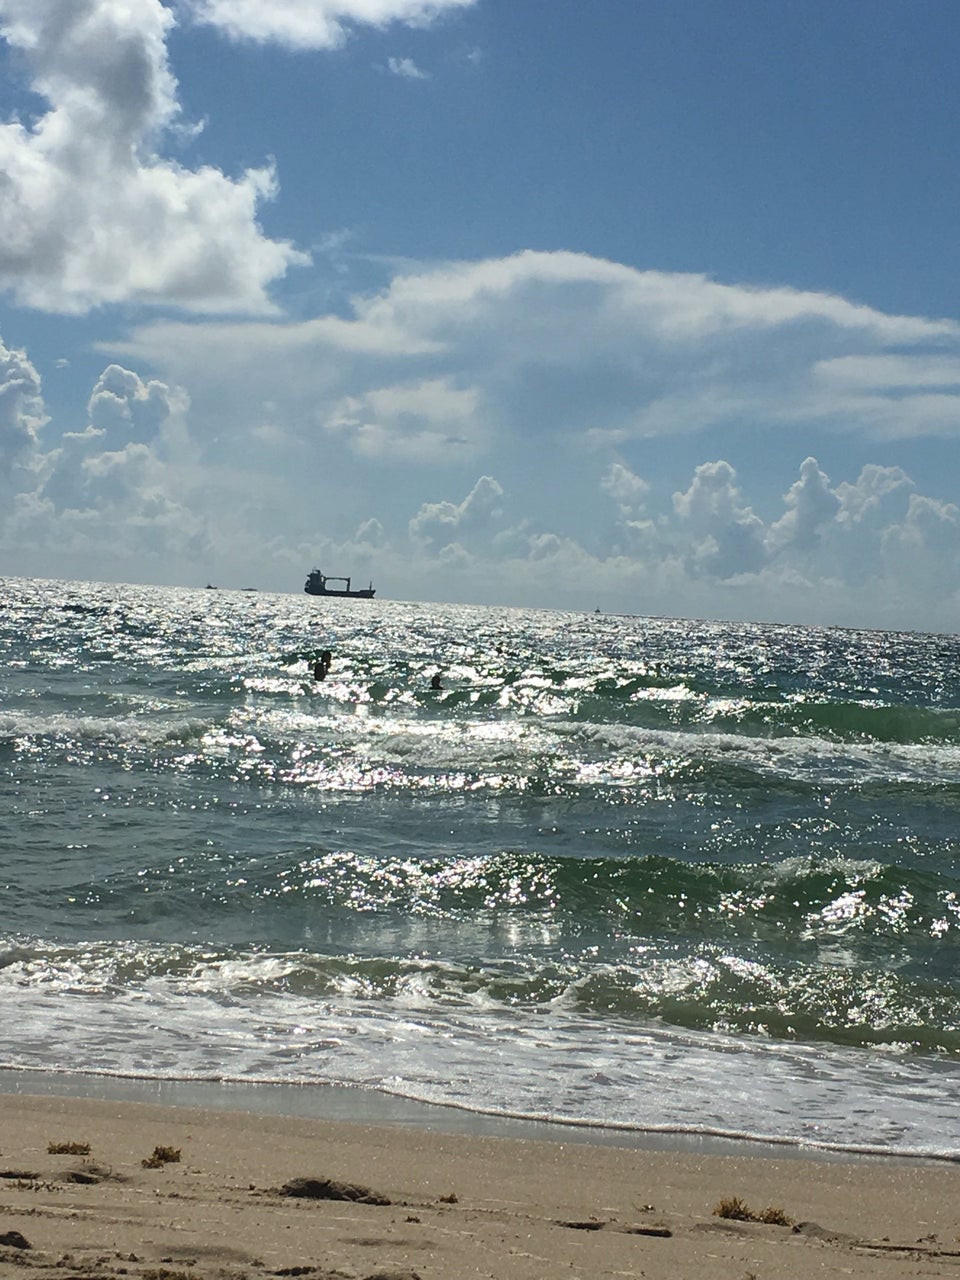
125	409
371	535
118	469
924	548
877	497
628	490
811	504
727	537
636	533
117	485
315	24
554	371
90	211
442	523
22	415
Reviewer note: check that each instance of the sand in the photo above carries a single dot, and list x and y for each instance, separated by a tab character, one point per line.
436	1205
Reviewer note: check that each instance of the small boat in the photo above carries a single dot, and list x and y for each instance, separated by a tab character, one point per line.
316	585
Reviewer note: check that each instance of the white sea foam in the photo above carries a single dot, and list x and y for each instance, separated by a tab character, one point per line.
481	1058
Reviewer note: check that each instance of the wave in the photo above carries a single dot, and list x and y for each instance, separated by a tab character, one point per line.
853	954
796	903
685	707
128	732
844	721
305	747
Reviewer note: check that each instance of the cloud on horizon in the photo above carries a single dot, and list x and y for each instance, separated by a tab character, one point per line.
133	495
22	415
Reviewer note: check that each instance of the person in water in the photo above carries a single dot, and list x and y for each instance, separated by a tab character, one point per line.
322	665
436	682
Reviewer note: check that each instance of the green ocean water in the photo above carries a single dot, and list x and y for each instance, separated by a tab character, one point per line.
620	871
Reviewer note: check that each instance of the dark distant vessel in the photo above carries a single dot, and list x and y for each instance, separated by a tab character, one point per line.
316	585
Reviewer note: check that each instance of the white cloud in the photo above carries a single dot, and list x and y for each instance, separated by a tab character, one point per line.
442	523
406	69
120	484
576	348
551	371
22	414
371	535
100	513
628	490
636	534
890	371
422	422
585	344
90	212
878	496
673	307
811	504
112	478
728	539
315	24
126	409
924	549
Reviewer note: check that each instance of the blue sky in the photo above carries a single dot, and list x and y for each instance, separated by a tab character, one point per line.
645	306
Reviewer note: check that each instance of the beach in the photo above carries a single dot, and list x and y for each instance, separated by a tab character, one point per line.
249	1196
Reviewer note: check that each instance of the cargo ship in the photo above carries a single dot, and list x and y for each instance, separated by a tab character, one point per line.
317	585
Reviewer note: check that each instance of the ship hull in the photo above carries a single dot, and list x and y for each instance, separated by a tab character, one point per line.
366	594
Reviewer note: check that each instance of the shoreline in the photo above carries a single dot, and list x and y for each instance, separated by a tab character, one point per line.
353	1104
237	1195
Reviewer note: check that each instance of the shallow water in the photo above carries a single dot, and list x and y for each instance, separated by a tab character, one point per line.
620	871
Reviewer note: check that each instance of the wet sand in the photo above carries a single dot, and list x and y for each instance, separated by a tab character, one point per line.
254	1196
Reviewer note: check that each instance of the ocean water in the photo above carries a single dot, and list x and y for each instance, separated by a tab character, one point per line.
624	872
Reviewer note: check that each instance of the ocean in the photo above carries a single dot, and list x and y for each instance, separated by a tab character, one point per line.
641	875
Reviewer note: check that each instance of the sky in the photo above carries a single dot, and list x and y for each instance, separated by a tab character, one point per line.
649	306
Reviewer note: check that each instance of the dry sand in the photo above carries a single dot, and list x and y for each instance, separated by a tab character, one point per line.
457	1206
